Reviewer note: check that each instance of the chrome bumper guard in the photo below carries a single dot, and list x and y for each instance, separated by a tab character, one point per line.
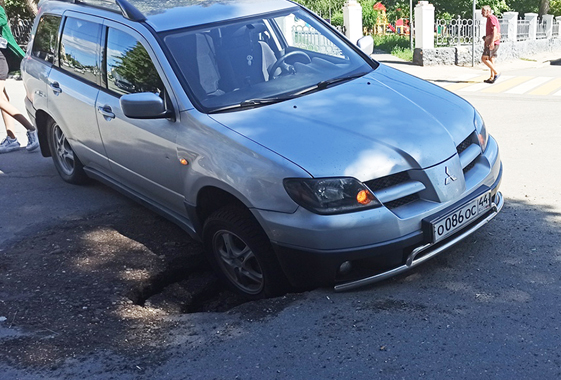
411	259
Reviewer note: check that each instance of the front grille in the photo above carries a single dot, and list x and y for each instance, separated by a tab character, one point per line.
385	182
469	167
402	201
464	144
400	181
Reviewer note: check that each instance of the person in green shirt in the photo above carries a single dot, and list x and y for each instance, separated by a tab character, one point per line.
10	58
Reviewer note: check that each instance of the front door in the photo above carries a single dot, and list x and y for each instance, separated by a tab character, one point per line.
142	153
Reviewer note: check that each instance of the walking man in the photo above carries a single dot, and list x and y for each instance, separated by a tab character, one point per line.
492	40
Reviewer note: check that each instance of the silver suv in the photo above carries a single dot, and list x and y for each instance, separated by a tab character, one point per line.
262	131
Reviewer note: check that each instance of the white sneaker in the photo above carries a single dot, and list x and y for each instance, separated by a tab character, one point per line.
32	141
9	144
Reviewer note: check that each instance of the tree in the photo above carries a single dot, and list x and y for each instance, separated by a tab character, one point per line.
23	9
555	7
464	8
324	8
544	7
369	14
31	6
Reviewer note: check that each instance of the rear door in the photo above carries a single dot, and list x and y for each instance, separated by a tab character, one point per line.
73	86
37	64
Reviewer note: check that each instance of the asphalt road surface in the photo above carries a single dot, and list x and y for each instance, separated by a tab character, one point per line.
487	309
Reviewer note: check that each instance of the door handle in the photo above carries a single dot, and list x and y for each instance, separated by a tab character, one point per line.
106	111
55	86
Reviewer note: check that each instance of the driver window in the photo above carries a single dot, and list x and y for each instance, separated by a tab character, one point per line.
299	34
129	67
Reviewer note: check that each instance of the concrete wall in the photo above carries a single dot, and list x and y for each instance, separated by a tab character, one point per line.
461	55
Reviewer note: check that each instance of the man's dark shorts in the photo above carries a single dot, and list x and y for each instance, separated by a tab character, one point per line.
490	53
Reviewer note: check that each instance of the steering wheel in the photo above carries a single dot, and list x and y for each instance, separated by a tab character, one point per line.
285	67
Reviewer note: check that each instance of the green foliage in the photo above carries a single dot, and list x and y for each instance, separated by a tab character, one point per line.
555	7
400	9
324	8
17	8
389	41
464	8
369	15
403	53
397	45
524	6
337	19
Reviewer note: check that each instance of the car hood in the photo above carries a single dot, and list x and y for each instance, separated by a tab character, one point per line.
382	123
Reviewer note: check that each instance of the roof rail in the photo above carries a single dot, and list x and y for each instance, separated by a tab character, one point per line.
128	10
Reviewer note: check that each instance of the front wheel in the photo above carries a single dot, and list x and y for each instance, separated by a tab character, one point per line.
66	162
242	254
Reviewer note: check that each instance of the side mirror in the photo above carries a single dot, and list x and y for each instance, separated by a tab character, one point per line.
143	105
366	44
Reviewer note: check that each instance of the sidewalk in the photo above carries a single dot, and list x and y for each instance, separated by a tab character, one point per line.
444	72
16	92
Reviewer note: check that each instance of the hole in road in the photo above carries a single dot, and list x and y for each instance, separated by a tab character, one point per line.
187	286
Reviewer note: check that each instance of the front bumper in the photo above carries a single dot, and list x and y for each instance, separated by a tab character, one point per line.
427	251
370	264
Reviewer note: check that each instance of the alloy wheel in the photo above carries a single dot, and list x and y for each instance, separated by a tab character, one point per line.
238	262
63	151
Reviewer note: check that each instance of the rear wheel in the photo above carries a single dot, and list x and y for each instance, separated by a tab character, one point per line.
66	162
242	254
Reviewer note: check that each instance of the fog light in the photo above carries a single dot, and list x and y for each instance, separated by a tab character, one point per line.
345	268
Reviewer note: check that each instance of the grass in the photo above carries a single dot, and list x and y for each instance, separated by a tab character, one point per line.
404	53
396	45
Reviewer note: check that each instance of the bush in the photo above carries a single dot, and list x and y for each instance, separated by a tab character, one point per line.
337	19
395	44
404	53
388	41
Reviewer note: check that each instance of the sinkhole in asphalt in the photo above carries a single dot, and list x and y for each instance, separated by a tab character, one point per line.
187	286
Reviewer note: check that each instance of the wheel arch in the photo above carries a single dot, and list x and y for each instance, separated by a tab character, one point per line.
42	121
212	198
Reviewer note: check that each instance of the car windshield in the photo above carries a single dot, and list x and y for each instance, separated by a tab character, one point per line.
261	60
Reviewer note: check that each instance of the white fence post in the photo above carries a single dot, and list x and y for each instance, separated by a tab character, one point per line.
352	19
533	19
512	19
481	22
558	18
548	21
424	25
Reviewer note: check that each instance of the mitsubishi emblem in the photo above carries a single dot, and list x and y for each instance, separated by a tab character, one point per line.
450	177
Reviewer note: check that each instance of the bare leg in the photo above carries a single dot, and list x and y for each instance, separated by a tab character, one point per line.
489	62
8	109
8	121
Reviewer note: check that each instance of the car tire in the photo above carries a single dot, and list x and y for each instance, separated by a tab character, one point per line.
242	255
66	161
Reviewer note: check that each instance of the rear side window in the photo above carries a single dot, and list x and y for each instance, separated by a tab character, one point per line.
79	49
129	66
46	38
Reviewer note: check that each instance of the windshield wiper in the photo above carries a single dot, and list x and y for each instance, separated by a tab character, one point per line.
249	103
252	103
259	101
326	83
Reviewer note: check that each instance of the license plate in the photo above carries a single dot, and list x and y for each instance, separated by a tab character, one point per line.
457	219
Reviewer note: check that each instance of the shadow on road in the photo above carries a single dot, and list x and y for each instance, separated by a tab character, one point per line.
115	281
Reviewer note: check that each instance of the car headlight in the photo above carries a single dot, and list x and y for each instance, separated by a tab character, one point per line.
481	131
330	195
